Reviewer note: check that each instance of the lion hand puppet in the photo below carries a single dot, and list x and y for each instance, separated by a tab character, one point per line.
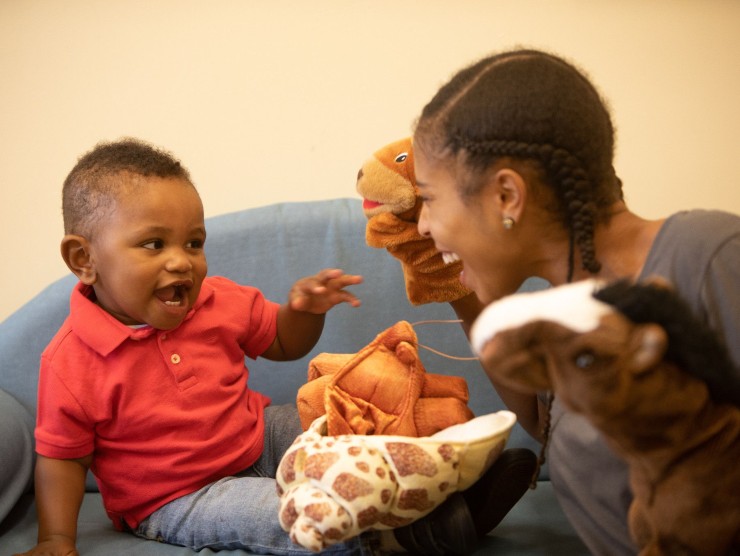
392	205
382	389
654	380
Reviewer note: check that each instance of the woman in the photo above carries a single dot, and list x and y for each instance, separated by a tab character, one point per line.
514	162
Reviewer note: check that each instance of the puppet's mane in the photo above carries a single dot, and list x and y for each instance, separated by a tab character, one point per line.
692	345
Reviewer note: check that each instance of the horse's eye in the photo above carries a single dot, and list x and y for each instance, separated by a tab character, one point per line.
585	360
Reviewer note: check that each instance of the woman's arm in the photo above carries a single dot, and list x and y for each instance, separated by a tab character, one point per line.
530	412
467	310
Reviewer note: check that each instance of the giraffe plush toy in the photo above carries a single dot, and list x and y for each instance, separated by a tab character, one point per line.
334	487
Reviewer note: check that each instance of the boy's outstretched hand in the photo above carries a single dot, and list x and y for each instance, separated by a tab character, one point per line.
300	321
317	294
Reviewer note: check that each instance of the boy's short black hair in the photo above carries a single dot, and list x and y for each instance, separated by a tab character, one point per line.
94	183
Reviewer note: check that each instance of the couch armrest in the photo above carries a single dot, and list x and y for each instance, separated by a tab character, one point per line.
17	452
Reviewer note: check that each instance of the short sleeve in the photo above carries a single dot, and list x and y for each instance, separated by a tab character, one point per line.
63	430
721	294
250	316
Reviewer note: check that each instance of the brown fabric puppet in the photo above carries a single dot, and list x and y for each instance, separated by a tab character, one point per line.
382	389
654	380
392	205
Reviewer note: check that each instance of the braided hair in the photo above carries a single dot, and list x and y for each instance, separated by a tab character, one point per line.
536	108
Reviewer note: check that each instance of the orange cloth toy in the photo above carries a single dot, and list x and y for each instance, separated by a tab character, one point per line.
392	205
382	389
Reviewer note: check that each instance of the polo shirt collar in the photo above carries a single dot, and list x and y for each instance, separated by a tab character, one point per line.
102	331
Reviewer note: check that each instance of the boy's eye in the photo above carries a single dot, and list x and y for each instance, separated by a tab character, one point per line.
153	244
196	244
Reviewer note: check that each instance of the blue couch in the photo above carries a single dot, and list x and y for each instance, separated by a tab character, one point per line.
269	247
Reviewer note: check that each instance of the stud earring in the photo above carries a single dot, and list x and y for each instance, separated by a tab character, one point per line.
508	223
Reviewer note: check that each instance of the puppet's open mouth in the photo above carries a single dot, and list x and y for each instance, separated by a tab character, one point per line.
367	204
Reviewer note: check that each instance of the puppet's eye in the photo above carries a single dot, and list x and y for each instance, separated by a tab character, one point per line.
401	157
585	359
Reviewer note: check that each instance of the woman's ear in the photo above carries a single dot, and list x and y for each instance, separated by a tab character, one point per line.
76	254
511	192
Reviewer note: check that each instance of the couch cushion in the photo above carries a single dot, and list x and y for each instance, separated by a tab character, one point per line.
25	334
535	526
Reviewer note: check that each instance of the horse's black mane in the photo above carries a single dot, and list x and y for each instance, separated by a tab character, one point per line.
692	345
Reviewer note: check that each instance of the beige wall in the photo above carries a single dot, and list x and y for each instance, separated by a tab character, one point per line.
269	101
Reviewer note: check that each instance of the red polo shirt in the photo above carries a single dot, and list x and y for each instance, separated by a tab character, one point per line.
164	412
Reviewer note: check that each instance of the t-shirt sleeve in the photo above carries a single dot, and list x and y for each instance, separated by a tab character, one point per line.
63	430
254	316
698	252
720	294
263	325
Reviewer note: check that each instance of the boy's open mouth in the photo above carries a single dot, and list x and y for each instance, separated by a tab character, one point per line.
174	295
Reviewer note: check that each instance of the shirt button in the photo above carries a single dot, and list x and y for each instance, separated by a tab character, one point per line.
175	358
164	336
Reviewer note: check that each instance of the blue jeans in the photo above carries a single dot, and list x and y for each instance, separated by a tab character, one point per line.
241	512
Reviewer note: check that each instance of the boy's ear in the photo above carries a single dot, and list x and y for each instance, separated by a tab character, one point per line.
76	254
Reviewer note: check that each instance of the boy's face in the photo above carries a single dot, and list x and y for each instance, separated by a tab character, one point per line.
148	257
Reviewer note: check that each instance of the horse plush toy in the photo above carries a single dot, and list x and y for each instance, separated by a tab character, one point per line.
392	205
654	380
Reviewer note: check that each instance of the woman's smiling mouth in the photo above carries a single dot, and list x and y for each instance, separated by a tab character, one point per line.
449	257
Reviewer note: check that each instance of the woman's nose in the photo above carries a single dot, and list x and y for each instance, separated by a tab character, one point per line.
422	226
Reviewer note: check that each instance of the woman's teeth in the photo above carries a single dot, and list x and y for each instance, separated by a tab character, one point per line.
449	257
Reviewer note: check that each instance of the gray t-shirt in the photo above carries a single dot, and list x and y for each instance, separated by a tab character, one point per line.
699	253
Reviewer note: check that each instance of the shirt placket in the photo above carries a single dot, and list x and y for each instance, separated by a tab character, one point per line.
176	360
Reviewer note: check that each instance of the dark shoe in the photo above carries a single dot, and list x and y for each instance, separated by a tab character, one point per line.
448	530
500	488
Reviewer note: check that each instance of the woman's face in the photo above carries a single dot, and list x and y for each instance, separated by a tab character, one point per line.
469	229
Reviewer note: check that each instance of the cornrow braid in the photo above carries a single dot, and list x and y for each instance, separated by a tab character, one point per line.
568	178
